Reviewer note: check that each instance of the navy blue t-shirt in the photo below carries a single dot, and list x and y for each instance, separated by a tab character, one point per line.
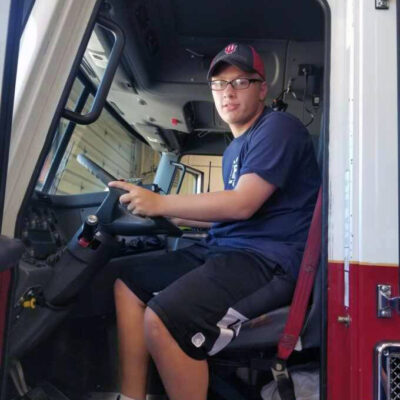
279	149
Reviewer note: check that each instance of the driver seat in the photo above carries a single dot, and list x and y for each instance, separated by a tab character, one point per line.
255	346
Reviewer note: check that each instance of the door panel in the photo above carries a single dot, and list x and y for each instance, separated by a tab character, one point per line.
10	252
5	279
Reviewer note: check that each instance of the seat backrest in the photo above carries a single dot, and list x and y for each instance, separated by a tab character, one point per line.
311	334
266	330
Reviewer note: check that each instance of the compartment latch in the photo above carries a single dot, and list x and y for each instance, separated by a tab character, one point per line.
385	303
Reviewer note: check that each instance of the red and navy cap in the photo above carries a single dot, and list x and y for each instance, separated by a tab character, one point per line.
240	55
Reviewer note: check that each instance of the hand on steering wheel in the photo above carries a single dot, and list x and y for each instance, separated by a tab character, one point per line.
138	200
116	218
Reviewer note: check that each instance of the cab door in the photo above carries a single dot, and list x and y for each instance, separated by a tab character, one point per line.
363	211
11	16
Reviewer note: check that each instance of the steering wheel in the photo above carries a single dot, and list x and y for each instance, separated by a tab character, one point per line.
114	217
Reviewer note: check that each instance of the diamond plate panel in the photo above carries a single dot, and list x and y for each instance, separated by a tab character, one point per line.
387	371
393	368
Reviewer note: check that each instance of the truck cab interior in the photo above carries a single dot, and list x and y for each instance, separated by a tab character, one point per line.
156	126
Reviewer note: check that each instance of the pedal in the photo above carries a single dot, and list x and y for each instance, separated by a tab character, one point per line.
36	394
46	391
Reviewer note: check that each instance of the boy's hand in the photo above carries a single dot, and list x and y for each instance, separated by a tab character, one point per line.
139	201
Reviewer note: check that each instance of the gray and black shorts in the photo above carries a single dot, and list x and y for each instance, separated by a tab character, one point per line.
203	294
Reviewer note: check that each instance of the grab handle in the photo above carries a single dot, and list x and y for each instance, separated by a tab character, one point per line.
104	87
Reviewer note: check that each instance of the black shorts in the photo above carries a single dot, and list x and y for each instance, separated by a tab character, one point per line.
203	294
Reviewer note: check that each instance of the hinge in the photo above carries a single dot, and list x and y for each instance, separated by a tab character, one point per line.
385	303
382	4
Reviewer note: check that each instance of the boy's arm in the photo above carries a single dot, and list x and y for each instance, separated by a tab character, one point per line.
241	203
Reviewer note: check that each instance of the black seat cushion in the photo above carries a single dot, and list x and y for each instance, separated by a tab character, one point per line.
261	332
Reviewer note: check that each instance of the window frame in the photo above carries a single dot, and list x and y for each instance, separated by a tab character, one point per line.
88	89
186	169
9	61
27	8
203	189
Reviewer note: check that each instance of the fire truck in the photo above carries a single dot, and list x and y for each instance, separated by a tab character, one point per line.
101	89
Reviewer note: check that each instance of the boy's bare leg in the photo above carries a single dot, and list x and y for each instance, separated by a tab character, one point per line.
133	355
183	377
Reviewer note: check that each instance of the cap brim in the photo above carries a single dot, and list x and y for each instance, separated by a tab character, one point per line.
235	63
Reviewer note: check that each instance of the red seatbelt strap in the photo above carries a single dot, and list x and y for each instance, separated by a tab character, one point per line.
304	285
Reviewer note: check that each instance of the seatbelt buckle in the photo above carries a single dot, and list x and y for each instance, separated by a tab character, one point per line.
279	370
283	380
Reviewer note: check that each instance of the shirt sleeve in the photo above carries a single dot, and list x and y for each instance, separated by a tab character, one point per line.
274	149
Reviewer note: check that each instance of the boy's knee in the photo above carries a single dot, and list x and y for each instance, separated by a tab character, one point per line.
124	295
154	328
120	290
120	287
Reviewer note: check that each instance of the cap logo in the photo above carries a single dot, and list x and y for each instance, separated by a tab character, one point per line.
231	48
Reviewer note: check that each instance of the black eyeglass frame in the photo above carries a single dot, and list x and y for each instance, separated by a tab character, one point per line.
249	80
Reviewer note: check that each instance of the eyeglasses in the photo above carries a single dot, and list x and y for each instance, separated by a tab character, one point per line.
237	84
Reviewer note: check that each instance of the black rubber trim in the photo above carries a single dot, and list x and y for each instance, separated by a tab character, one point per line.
6	113
28	5
57	116
325	197
7	94
104	87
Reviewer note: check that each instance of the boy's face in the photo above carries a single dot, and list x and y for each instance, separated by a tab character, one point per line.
239	108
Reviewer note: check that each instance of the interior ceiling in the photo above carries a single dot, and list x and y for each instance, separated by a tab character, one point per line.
170	44
256	19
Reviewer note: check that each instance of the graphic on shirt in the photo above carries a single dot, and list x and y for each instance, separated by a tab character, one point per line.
234	171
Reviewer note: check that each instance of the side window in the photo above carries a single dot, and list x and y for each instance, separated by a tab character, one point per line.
107	142
203	175
186	180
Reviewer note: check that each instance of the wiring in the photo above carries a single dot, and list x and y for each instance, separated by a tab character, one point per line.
280	104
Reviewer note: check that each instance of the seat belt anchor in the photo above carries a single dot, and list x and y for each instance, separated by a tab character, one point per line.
279	370
283	380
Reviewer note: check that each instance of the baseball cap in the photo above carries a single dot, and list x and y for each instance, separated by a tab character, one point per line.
240	55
